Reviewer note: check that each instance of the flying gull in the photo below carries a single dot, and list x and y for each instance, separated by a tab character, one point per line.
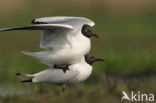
66	39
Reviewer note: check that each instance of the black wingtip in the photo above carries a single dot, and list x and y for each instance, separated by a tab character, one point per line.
18	73
33	21
37	22
24	81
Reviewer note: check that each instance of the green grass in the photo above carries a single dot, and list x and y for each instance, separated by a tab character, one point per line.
98	91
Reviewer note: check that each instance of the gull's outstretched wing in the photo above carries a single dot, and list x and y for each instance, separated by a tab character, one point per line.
56	76
49	41
54	35
57	31
40	27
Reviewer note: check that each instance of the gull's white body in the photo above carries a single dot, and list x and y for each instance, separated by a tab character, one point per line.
61	37
69	52
77	73
67	48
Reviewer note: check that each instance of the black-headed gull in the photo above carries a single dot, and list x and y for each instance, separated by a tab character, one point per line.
78	73
65	38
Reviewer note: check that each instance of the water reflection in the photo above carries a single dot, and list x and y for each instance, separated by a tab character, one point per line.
12	88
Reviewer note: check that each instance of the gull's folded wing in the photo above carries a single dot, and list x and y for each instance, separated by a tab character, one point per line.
56	76
40	27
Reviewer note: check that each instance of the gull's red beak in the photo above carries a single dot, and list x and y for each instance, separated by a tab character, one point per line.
95	35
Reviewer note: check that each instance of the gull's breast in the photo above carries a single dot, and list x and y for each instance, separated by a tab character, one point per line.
85	72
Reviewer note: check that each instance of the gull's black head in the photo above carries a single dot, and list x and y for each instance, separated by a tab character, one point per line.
91	59
88	31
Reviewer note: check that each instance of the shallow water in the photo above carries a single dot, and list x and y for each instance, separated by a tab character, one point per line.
12	88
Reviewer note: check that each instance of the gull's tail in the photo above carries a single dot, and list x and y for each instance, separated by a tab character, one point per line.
24	81
42	56
39	55
26	75
28	53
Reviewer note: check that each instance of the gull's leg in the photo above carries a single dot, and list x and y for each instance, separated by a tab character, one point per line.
63	89
64	86
64	68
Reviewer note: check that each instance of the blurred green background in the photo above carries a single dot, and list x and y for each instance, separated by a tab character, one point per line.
127	43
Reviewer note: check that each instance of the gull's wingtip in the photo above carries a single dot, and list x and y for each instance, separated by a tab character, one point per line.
24	81
33	21
26	53
18	74
4	29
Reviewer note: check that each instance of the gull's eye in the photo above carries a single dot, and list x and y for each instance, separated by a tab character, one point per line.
88	30
91	57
